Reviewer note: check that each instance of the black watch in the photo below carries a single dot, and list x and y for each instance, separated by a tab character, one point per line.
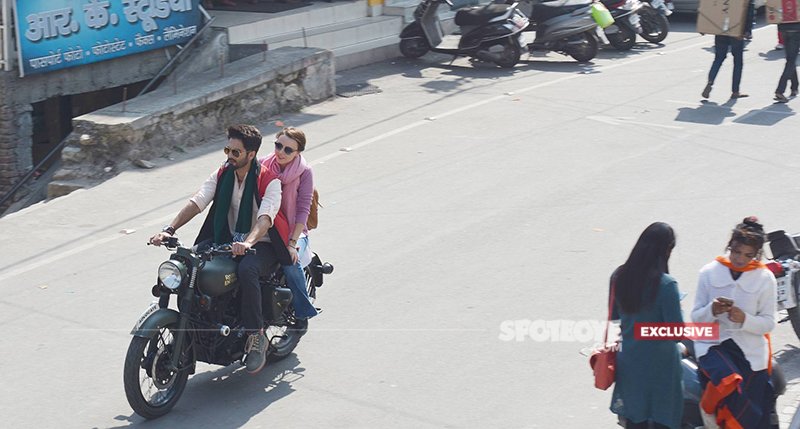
168	229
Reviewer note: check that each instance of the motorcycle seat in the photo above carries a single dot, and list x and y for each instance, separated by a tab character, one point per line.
480	14
551	9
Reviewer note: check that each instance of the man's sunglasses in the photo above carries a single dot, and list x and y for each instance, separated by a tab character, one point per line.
235	152
286	149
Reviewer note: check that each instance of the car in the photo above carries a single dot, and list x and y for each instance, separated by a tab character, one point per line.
690	6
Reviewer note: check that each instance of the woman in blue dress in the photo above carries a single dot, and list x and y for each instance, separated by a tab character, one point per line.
648	387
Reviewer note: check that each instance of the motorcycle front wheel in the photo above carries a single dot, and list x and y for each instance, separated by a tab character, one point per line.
585	51
151	388
414	48
655	26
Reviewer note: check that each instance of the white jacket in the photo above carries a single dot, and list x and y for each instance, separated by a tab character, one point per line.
755	293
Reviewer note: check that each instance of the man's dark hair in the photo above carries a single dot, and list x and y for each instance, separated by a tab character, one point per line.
248	134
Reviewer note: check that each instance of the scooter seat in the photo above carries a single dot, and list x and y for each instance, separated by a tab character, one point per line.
480	14
551	9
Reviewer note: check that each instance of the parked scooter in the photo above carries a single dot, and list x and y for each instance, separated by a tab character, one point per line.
622	33
490	33
655	25
564	26
785	265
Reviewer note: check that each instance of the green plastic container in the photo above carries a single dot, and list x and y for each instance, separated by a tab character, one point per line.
601	15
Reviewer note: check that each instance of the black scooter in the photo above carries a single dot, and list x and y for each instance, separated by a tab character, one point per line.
622	33
490	33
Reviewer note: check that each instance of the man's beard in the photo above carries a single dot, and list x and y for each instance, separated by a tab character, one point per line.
237	164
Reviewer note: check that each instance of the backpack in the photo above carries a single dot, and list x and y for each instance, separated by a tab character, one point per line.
313	220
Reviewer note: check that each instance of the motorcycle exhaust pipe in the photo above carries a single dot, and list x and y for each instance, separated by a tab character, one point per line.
224	330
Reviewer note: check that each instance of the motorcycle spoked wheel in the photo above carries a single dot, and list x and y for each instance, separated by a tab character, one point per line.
284	338
152	389
655	26
311	288
583	52
622	40
414	48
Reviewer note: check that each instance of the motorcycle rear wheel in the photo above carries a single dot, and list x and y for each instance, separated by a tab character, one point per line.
622	40
414	48
511	54
153	390
586	51
794	318
655	26
284	338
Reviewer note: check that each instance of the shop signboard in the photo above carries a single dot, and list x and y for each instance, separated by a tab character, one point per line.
56	34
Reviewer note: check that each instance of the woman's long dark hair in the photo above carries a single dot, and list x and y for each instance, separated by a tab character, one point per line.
638	278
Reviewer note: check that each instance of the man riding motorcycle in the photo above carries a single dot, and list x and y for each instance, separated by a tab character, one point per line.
246	201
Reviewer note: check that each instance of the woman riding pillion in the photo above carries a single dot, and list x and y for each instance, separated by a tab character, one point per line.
297	181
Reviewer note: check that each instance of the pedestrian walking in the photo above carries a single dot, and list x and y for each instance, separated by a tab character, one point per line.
790	33
723	44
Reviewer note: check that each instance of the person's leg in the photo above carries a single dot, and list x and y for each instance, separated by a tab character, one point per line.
720	52
737	50
791	59
296	281
751	20
791	56
251	267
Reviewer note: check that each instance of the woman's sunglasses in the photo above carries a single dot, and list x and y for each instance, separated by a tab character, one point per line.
286	149
235	152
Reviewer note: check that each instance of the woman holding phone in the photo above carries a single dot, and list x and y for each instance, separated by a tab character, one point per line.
738	292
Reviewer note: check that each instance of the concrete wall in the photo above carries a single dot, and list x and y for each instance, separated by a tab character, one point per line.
111	139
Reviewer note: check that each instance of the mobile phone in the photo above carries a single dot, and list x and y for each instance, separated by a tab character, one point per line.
725	300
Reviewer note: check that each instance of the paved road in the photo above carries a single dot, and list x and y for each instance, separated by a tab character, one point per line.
459	198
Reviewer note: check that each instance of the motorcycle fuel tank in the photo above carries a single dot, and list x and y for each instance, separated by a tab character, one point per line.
218	276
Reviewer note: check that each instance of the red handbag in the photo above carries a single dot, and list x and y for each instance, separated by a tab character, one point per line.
604	359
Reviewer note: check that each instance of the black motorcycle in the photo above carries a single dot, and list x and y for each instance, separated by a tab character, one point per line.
207	326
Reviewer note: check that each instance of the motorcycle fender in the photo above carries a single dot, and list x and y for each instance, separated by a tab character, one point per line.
412	30
160	318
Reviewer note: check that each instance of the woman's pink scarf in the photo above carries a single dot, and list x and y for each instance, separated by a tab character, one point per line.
290	181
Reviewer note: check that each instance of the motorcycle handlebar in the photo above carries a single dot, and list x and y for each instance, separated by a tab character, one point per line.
172	243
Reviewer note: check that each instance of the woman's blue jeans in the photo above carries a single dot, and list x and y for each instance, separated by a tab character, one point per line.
296	280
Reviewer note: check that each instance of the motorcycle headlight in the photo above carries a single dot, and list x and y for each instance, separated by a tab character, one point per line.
171	274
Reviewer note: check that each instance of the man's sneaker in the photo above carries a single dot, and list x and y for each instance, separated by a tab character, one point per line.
256	349
779	46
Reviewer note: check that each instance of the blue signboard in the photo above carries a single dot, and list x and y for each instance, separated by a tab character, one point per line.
56	34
